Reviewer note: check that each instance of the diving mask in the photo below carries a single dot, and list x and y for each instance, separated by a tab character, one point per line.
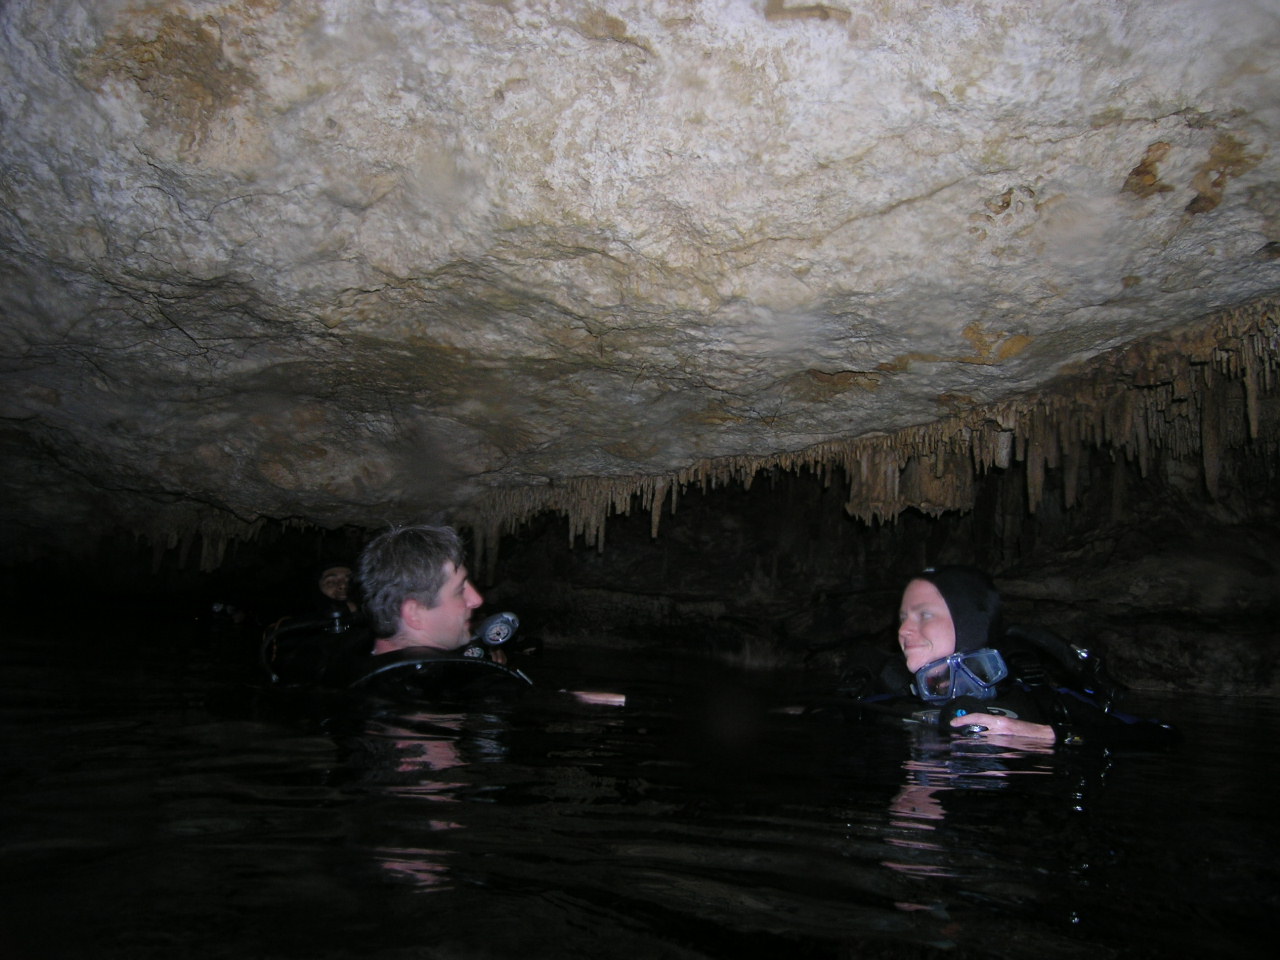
972	674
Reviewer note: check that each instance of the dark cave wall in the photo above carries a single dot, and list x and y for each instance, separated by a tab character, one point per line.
127	575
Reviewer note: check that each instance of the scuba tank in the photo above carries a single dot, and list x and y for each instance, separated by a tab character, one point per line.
1040	658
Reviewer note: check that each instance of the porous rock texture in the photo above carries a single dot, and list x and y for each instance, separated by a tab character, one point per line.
352	261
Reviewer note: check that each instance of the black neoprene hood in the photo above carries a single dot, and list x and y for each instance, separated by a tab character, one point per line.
973	601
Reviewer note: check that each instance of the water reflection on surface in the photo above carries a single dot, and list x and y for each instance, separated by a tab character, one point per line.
157	804
939	764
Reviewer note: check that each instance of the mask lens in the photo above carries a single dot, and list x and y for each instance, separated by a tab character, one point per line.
986	666
935	681
972	674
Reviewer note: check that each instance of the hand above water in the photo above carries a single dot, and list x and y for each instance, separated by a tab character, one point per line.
602	697
1003	727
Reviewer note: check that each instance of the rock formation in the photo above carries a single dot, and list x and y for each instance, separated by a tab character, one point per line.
347	262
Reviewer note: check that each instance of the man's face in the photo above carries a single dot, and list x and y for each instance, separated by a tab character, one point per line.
926	631
335	583
447	624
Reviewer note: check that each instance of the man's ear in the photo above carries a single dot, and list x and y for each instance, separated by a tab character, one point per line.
411	613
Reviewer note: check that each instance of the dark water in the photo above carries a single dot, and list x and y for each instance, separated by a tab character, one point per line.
155	804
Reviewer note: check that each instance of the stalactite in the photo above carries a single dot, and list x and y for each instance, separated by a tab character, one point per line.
1210	438
1035	476
1004	449
1141	443
1250	378
1150	399
1071	472
657	495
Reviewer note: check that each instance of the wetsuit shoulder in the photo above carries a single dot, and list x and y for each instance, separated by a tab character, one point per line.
424	673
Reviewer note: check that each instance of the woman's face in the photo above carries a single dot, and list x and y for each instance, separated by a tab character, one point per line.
926	631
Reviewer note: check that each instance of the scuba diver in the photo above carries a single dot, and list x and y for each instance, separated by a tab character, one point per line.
417	642
334	594
293	645
978	678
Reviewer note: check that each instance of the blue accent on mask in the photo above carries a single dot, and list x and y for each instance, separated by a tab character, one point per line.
974	673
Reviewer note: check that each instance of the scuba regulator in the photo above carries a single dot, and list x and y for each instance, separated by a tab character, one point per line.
496	630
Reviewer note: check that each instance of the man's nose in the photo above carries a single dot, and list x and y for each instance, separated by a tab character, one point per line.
475	599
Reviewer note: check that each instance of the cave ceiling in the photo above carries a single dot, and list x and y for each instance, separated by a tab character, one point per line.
351	262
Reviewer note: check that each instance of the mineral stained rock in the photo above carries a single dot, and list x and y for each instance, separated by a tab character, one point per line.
352	261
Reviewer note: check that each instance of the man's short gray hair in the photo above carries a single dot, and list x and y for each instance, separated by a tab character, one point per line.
405	563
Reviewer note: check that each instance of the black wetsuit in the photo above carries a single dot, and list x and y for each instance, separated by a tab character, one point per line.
1050	682
336	657
425	673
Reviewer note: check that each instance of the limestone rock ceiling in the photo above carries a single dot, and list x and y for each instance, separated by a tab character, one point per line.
352	262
